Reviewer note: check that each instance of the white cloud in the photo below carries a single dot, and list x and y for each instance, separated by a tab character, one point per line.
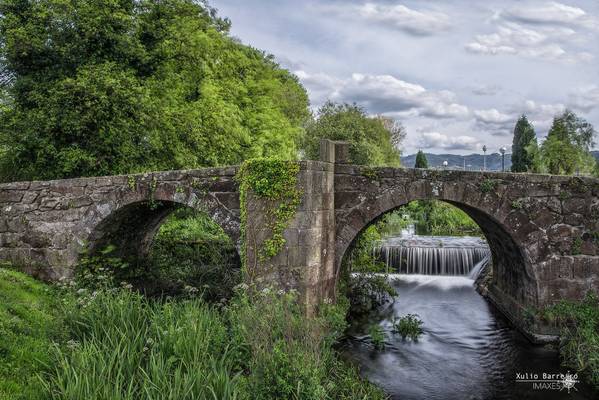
397	17
585	99
419	47
492	116
513	38
546	110
549	30
541	115
494	121
486	90
549	13
438	140
385	94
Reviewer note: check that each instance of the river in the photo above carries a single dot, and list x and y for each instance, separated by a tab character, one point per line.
468	350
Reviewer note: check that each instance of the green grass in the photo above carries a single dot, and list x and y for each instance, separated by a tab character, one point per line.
124	346
29	324
579	322
115	344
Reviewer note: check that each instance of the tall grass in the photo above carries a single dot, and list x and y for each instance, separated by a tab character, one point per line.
579	322
124	346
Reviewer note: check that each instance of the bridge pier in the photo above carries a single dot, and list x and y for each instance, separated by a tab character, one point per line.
306	262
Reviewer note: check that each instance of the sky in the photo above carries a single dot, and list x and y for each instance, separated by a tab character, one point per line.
456	73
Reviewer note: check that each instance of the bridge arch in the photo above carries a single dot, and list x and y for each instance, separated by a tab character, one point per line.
131	225
514	276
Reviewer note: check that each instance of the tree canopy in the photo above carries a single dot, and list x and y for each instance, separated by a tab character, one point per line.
566	149
524	137
421	161
118	86
373	140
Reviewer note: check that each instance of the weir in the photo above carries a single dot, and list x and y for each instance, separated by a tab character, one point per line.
432	255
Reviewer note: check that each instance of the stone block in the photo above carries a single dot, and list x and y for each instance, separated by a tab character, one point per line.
342	153
11	196
327	151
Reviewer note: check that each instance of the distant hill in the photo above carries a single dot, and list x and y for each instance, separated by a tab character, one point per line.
474	162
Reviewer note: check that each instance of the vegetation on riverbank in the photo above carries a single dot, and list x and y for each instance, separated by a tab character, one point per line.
114	343
579	331
430	217
105	87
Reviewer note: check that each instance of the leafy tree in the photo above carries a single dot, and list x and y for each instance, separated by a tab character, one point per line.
373	141
117	86
566	149
421	161
536	160
396	130
524	136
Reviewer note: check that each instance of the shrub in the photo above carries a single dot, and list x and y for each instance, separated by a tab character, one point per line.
409	326
368	291
366	288
101	270
488	185
377	336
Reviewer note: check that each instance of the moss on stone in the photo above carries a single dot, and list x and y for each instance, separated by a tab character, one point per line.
488	185
275	181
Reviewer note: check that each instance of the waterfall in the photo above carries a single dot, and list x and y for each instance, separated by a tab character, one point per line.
475	272
432	255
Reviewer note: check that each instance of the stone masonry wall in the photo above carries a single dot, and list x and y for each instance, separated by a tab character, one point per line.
306	262
45	225
543	230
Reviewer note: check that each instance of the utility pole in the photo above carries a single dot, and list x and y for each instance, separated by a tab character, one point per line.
502	150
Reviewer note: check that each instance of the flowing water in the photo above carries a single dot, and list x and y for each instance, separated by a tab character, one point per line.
468	350
432	255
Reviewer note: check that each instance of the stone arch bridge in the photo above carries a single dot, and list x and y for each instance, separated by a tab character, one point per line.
543	230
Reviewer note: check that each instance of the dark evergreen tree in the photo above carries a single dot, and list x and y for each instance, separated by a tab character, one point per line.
421	161
524	136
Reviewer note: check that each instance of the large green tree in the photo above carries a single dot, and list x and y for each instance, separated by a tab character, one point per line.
421	161
115	86
524	136
373	140
566	149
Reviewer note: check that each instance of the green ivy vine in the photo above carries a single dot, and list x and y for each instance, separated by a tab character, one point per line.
275	181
